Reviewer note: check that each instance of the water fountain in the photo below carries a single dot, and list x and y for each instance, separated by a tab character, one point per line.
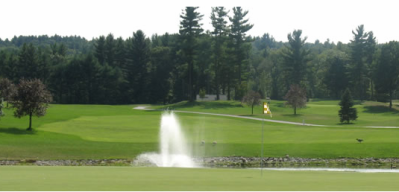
173	149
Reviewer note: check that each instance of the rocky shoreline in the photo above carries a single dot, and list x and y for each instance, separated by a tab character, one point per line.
232	162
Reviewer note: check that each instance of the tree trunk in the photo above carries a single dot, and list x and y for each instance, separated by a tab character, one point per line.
294	110
228	86
30	122
252	109
390	99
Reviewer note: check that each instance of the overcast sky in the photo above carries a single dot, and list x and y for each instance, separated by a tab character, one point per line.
318	19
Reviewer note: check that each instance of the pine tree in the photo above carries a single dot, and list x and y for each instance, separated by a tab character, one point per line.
139	56
109	49
239	26
120	55
28	62
347	111
100	50
387	70
295	58
190	29
219	33
358	71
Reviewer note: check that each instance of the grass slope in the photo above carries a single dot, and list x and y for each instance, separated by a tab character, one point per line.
101	131
23	178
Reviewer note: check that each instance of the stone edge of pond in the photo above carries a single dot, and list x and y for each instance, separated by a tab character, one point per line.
233	162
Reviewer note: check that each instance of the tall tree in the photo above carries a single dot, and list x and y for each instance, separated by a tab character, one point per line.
190	29
335	77
31	98
347	111
120	55
295	58
370	50
139	56
358	69
387	70
28	62
220	31
160	74
110	49
239	27
100	50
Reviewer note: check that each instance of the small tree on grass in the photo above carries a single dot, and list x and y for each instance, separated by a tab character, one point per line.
1	107
252	98
7	89
31	98
296	97
347	111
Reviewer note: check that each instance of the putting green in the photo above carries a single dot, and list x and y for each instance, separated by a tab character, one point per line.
24	178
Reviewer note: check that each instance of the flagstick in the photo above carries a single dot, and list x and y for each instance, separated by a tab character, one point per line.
261	155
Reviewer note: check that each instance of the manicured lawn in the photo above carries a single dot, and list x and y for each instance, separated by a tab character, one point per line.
23	178
101	131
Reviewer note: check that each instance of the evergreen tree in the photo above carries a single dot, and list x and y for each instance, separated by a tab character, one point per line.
358	71
120	55
335	77
295	58
347	111
139	55
109	49
190	29
387	70
161	68
100	50
239	26
220	31
28	63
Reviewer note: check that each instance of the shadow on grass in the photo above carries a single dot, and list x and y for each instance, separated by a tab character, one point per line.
380	109
17	131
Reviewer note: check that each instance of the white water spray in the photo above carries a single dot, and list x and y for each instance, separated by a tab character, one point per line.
173	149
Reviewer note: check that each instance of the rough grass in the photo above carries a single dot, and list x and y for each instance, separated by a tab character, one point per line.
22	178
101	131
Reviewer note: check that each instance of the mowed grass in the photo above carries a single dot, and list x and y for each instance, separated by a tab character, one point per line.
105	132
323	112
23	178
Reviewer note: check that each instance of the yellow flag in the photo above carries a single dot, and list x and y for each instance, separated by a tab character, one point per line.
266	109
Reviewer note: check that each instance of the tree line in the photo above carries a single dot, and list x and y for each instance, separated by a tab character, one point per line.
174	67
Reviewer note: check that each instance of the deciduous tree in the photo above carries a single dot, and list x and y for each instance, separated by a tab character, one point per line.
296	97
252	98
31	98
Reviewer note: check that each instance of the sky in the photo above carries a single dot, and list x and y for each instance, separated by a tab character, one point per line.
318	19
